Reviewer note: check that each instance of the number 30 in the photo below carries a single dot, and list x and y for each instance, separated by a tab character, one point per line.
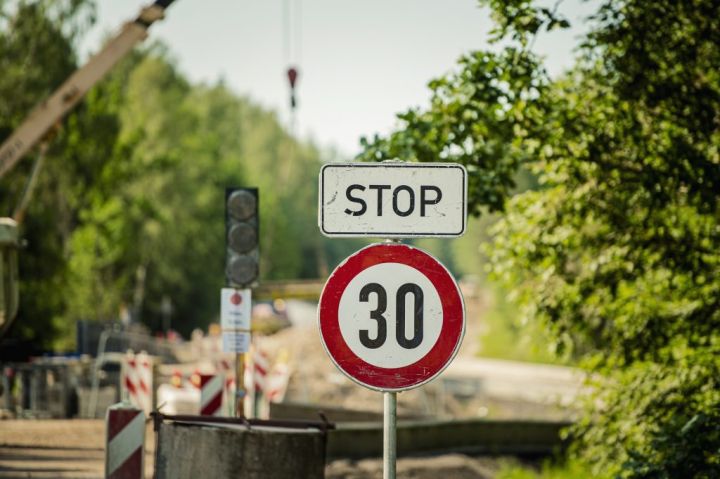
377	315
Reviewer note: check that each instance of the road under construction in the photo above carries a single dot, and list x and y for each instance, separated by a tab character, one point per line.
478	407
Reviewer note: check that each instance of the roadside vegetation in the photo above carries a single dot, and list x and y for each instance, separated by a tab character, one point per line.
548	470
615	254
129	206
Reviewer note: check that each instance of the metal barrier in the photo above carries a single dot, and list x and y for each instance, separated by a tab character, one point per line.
40	389
112	347
473	436
296	410
115	341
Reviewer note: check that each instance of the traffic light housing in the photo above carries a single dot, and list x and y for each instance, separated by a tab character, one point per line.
242	238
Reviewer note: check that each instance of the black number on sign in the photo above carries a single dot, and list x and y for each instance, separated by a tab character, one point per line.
377	315
417	316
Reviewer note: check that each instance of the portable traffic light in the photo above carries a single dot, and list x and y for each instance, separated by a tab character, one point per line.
242	237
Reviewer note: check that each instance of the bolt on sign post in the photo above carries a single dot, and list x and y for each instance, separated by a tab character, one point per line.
242	224
391	316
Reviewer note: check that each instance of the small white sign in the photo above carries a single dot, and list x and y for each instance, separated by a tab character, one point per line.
392	199
235	309
236	342
235	316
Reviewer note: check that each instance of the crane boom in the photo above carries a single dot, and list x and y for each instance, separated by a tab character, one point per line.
36	126
52	110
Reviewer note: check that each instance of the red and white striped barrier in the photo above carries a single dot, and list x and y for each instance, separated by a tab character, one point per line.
277	382
261	367
211	394
137	380
125	442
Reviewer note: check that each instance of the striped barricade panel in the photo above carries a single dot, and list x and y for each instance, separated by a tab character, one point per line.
145	381
277	382
137	381
211	394
125	441
261	366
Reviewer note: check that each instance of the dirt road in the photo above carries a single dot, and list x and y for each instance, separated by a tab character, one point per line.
58	449
75	449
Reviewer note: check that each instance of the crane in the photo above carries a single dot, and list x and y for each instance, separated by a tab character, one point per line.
39	123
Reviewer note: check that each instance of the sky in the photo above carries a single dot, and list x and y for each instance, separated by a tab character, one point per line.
360	62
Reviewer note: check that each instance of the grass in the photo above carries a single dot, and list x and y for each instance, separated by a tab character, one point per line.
571	469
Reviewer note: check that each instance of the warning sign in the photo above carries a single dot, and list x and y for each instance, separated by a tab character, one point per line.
235	316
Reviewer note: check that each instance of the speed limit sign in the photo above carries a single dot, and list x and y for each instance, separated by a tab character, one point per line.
391	317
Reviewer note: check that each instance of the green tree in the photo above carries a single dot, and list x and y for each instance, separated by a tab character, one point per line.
36	54
617	252
155	226
130	204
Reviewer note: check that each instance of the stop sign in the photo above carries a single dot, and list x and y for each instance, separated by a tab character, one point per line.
391	317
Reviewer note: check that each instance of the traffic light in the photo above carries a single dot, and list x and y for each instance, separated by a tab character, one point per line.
242	237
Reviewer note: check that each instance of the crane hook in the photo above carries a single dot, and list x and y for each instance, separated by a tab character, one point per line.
292	75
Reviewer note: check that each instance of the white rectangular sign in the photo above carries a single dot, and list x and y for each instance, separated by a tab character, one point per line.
235	309
235	316
234	342
392	199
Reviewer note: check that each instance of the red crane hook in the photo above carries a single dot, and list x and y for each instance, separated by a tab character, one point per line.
292	75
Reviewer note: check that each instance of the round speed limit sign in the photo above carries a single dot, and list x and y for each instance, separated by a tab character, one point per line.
391	317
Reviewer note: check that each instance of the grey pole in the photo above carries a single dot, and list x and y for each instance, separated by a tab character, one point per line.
389	434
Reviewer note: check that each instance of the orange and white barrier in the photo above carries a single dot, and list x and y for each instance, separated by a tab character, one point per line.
125	442
137	381
211	394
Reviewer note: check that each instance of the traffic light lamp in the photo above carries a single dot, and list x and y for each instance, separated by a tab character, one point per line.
242	238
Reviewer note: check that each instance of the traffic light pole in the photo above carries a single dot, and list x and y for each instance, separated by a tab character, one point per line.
240	385
242	270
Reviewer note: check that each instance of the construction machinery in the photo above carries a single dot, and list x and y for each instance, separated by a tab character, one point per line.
35	130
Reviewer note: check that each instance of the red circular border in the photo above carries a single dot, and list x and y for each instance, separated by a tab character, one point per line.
424	369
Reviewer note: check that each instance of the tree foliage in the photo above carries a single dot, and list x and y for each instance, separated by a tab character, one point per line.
617	252
129	207
36	55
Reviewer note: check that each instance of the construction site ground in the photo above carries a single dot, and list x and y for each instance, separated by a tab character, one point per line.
76	449
470	388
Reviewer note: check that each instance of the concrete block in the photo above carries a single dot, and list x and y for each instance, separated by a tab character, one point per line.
230	451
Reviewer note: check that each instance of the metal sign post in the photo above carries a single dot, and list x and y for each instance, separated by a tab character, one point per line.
390	426
389	434
240	385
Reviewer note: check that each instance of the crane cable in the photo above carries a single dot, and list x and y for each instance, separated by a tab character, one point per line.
291	32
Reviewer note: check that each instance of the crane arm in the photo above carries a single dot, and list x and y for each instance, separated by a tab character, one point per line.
52	110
